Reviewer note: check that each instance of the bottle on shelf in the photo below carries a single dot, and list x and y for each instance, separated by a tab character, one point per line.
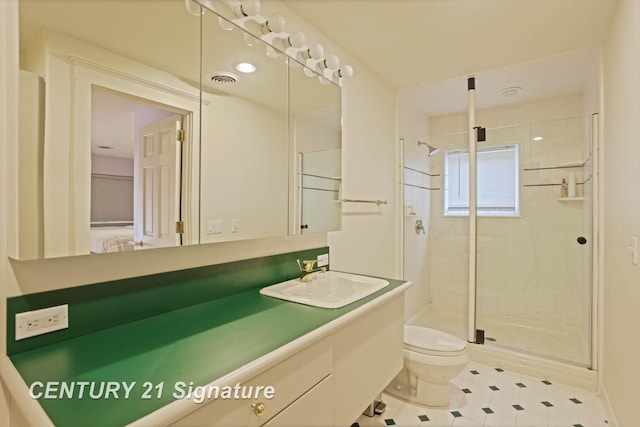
564	189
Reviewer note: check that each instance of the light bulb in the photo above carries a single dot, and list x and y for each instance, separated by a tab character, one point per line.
249	39
272	53
247	8
314	52
293	41
275	24
224	24
194	8
296	40
330	62
345	71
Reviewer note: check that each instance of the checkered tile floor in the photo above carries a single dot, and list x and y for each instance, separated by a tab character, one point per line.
486	396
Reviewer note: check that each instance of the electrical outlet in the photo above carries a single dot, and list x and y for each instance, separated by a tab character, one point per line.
323	260
38	322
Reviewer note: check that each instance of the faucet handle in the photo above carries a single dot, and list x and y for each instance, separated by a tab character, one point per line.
307	265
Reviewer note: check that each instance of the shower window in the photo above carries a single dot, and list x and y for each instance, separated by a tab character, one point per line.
498	182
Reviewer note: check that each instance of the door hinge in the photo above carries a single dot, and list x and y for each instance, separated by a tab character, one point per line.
179	227
180	135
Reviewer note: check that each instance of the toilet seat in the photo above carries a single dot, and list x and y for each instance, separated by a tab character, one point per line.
432	342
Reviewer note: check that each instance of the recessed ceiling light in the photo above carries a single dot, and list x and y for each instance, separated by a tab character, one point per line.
510	91
538	138
245	67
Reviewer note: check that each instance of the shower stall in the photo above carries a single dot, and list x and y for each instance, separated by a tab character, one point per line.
506	255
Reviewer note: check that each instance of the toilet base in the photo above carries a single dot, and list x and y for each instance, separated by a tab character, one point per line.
432	394
407	387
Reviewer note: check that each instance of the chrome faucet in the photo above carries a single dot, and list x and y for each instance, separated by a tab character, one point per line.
307	271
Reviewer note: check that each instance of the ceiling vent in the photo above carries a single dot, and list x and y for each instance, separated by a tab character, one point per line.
509	92
223	78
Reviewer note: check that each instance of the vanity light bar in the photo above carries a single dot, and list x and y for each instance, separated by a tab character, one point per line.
272	31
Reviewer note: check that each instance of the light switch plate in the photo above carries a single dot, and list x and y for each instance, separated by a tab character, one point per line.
38	322
214	226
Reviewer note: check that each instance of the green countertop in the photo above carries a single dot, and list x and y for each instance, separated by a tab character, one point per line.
198	344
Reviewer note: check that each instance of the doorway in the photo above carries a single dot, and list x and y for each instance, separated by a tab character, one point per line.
136	173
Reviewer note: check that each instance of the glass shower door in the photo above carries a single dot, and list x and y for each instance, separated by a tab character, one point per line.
320	191
534	265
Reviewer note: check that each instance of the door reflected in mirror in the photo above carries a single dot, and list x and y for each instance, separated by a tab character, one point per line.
136	173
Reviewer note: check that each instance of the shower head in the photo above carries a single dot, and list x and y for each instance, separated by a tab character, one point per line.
432	150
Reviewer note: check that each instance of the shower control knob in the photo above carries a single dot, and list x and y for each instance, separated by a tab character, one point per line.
582	240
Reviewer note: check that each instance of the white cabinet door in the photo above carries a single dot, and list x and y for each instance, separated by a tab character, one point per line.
367	356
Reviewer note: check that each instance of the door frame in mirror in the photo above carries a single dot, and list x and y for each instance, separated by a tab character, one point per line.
72	68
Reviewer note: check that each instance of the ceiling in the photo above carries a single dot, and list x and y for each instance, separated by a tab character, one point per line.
163	35
424	48
416	42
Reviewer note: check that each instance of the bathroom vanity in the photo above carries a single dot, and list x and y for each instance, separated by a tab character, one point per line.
328	382
325	366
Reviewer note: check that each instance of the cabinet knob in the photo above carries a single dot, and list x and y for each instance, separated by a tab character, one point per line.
259	408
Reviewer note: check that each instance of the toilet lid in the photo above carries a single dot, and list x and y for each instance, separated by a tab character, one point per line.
431	341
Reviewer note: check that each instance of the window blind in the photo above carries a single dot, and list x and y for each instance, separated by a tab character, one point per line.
497	181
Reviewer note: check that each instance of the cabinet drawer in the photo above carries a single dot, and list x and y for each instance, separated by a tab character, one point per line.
291	379
313	409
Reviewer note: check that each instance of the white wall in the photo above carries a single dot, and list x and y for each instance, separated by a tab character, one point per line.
368	242
108	165
244	169
621	150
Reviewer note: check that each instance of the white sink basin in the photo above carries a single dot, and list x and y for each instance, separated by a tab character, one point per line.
331	289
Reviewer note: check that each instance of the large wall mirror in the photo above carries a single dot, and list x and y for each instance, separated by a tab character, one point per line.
152	136
245	143
316	132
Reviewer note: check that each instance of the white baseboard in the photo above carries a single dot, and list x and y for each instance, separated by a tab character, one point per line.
608	410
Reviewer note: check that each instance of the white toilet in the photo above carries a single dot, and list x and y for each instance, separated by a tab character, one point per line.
431	359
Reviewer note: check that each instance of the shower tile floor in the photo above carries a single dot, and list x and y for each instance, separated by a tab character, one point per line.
488	396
